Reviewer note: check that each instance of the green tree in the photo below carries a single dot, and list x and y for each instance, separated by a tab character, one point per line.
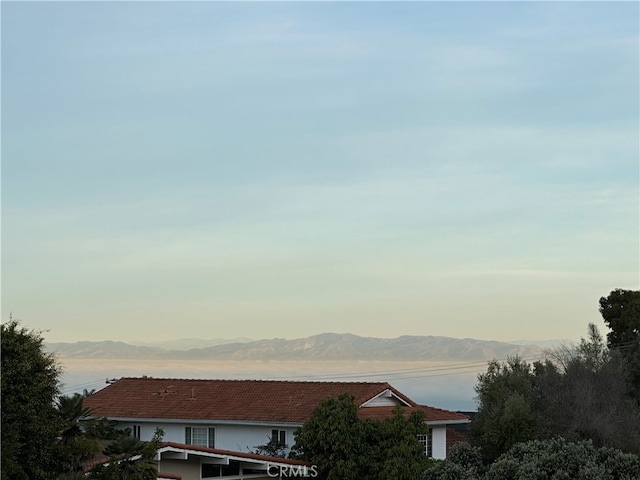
273	448
75	446
621	313
30	424
394	450
129	459
332	439
578	393
104	429
72	476
589	401
344	447
505	417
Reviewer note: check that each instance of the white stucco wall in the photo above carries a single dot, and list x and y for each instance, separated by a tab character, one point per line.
244	438
239	438
188	469
439	439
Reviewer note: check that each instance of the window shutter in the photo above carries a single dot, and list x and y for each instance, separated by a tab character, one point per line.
187	435
212	438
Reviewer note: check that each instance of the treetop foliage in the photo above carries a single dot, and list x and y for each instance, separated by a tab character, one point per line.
344	447
621	312
47	436
578	393
273	448
30	424
130	459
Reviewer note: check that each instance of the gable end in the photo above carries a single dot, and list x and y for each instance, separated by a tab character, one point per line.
386	398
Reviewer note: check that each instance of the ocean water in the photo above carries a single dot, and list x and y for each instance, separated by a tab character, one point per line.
444	385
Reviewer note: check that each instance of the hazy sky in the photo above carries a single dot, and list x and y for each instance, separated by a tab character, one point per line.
283	169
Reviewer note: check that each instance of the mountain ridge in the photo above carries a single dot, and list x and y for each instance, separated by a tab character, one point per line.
320	347
191	343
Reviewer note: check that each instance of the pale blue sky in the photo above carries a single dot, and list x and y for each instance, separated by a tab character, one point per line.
284	169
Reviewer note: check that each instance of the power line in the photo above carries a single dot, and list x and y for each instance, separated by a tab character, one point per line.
448	369
424	371
74	388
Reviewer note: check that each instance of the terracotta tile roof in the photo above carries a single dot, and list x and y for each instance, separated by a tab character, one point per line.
438	414
101	460
431	414
235	400
169	476
217	451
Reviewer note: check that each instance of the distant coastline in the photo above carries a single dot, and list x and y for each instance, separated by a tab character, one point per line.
325	346
440	371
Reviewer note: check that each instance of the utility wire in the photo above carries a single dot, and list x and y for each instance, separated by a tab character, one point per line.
74	388
422	370
456	368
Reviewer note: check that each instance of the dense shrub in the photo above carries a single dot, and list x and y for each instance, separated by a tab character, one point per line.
555	459
464	463
558	459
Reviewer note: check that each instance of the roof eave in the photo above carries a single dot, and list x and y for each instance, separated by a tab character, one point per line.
207	421
457	421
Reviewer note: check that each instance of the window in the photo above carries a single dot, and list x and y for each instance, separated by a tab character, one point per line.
209	470
136	431
202	436
422	438
426	440
279	436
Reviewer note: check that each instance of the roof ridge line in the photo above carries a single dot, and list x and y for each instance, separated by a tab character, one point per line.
264	380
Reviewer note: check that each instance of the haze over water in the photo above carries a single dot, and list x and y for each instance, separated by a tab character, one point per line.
440	384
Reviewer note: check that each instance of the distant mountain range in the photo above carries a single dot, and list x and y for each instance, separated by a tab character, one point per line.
191	343
325	346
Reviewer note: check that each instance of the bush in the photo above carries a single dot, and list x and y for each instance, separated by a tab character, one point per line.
464	463
558	459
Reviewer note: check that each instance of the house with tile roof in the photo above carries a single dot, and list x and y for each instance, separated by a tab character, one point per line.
188	462
177	461
240	415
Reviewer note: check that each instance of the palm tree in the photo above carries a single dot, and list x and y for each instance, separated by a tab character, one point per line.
73	414
131	459
71	476
75	446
